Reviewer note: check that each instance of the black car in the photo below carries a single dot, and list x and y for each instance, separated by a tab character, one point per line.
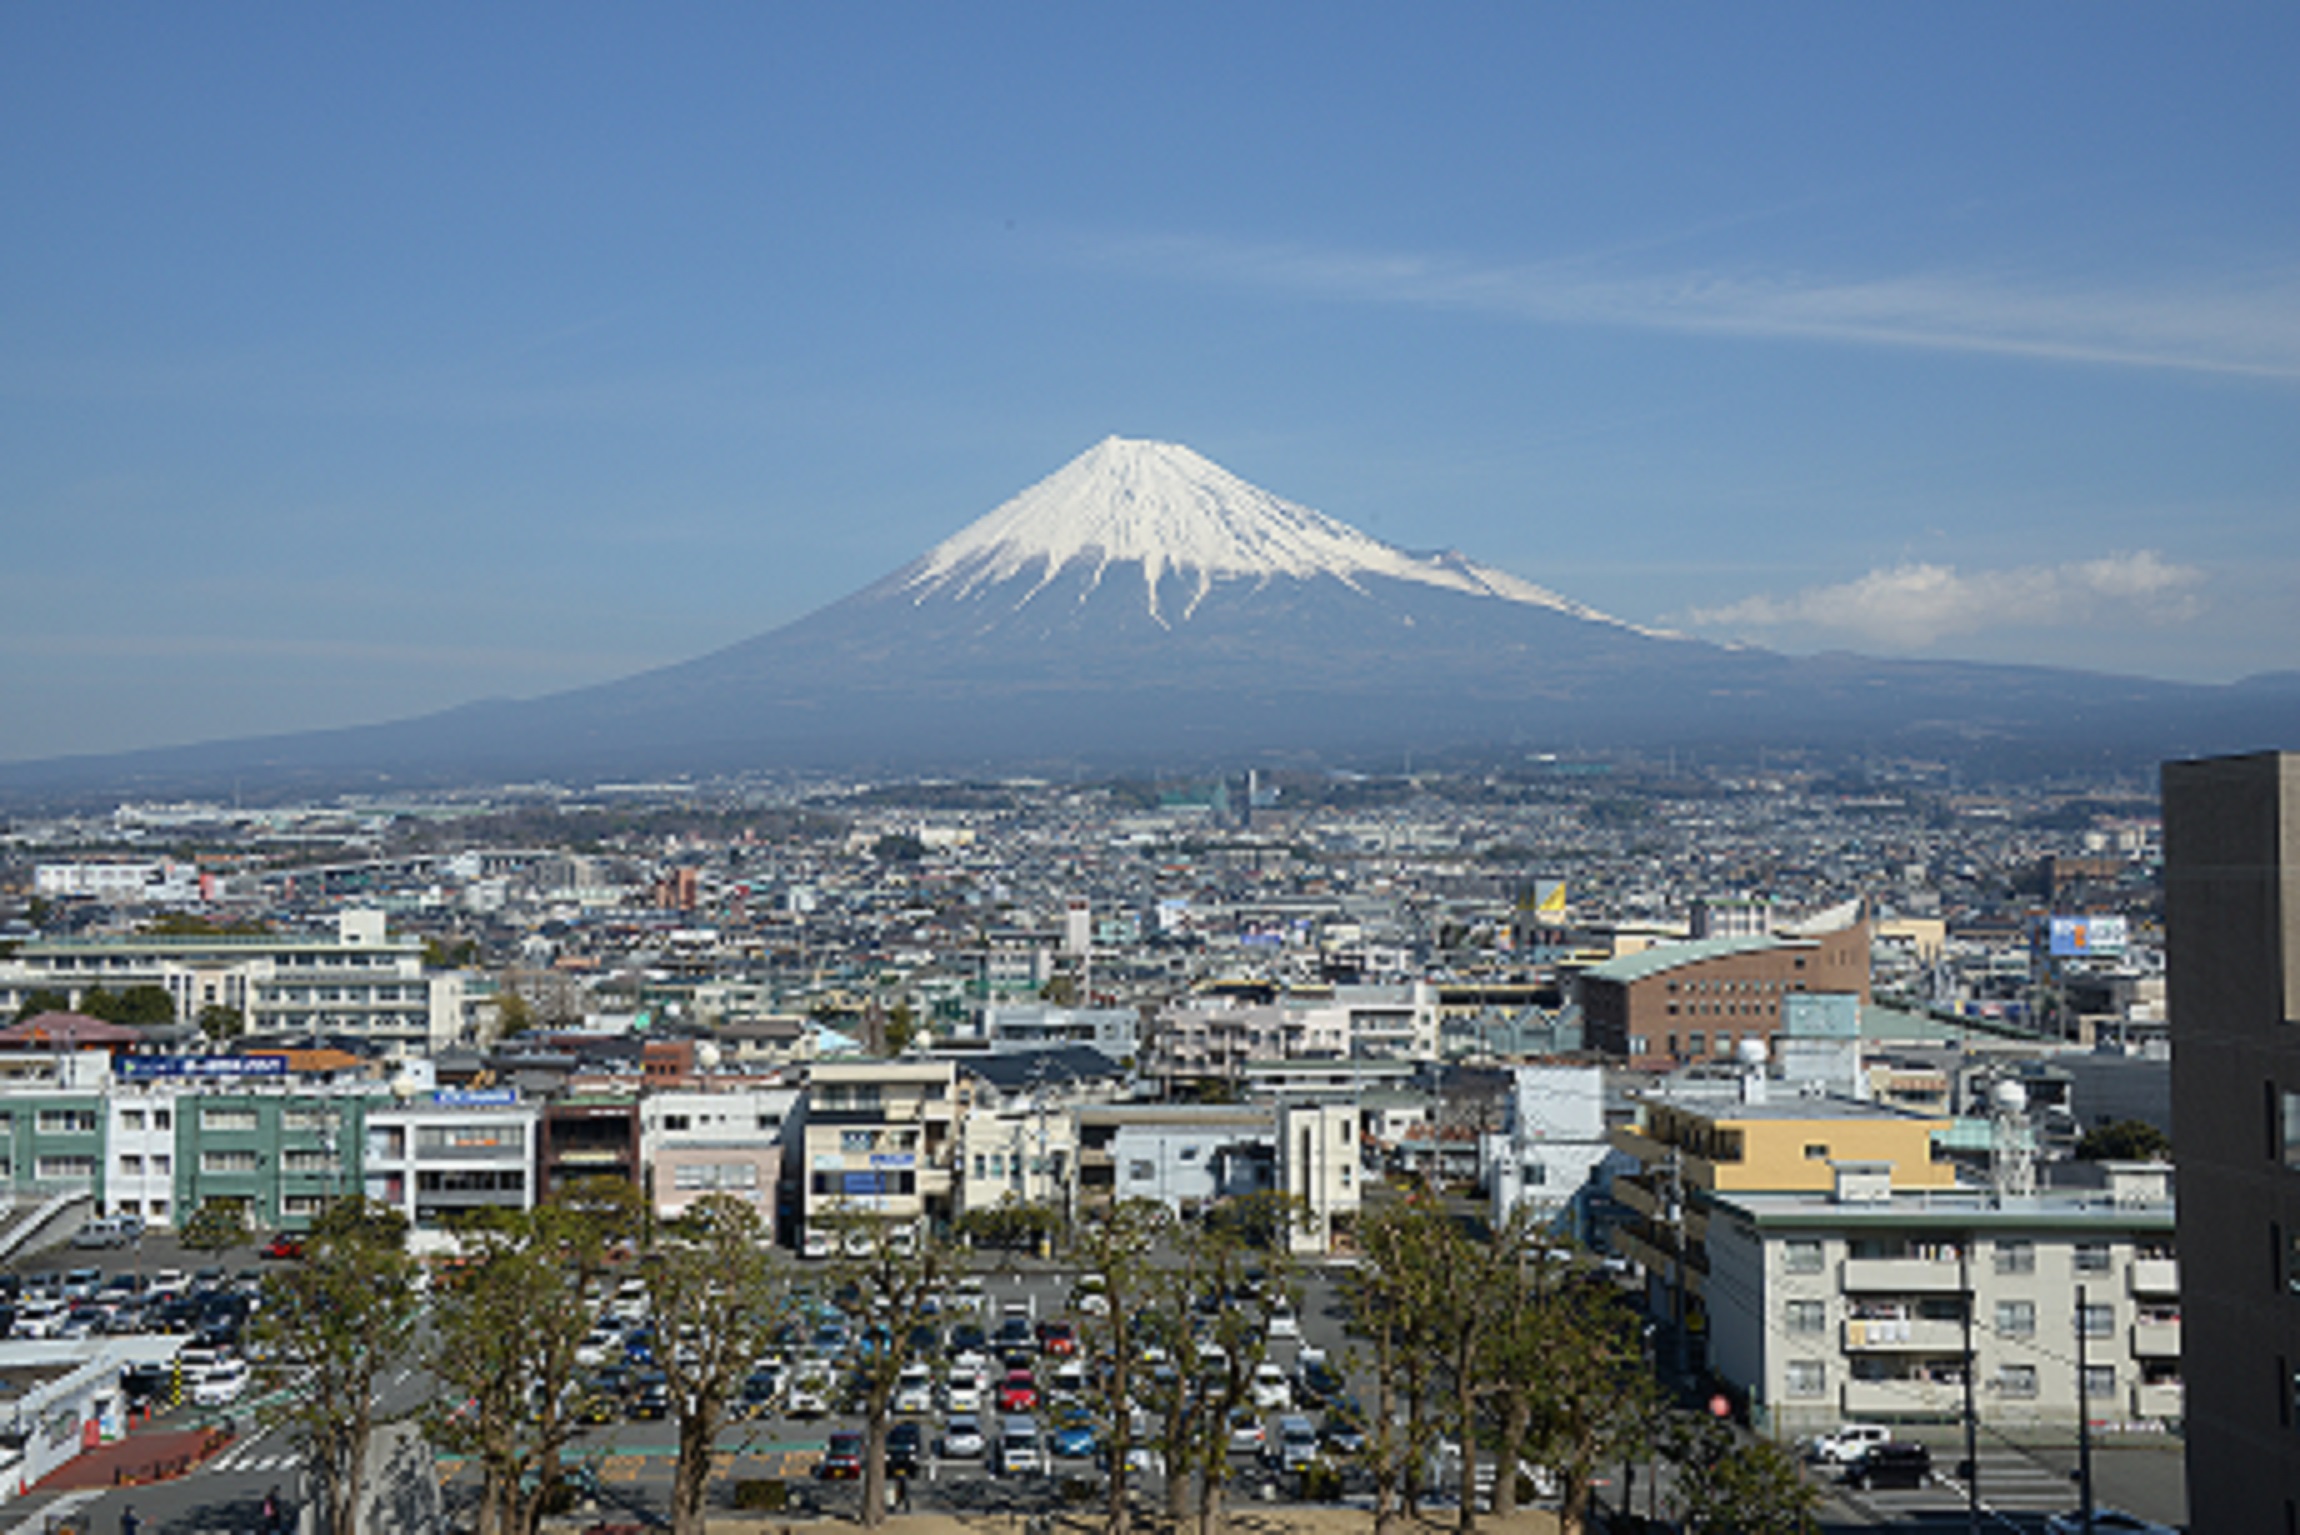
967	1338
1891	1464
905	1445
652	1398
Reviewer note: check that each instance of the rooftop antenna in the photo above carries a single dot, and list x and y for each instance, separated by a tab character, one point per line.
2012	1143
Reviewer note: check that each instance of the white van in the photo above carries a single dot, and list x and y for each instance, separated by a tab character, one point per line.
1020	1451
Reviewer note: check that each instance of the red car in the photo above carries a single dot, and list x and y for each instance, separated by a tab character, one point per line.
1057	1339
843	1460
285	1245
1018	1393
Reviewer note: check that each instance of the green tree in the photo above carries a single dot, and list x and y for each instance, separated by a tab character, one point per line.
901	1028
2128	1140
717	1292
332	1327
217	1226
1591	1404
1725	1484
222	1024
894	1266
44	1000
1393	1294
504	1336
450	953
513	1015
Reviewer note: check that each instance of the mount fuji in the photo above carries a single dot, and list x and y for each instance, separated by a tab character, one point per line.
1143	607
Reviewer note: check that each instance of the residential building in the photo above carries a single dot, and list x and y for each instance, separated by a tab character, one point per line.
1552	1138
877	1138
726	1139
1850	1304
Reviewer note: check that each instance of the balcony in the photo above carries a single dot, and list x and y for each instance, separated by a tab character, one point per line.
2165	1399
1901	1276
2156	1340
1906	1335
1902	1398
2156	1276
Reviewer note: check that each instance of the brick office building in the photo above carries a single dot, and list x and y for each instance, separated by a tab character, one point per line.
1698	1000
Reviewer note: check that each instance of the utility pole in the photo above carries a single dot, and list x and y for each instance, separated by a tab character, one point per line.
2083	1423
1673	1207
1972	1428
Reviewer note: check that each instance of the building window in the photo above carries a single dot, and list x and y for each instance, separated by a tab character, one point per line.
1697	1043
306	1205
1818	1152
311	1162
1807	1315
673	1123
227	1119
2092	1257
131	1119
163	1165
2016	1379
856	1140
1806	1378
67	1121
131	1166
1141	1171
227	1161
2099	1381
2016	1257
2016	1318
2096	1321
1801	1255
64	1169
715	1175
163	1119
307	1119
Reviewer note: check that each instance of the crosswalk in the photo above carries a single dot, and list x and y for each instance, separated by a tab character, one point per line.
2011	1484
263	1453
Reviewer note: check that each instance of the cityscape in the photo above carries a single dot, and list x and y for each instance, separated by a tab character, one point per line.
1238	771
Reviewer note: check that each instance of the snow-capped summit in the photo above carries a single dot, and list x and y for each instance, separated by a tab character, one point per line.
1160	511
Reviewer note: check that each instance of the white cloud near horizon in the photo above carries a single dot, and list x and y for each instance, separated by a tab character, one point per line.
2240	326
1912	605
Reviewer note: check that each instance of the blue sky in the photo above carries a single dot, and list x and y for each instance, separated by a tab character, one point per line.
356	361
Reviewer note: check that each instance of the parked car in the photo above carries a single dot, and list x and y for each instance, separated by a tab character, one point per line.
1247	1436
286	1246
1285	1326
1057	1339
651	1398
1020	1451
1891	1464
227	1382
962	1437
914	1391
905	1448
1297	1447
843	1460
1018	1393
109	1231
1269	1388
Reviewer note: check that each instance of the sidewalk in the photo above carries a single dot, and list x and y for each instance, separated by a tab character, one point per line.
151	1456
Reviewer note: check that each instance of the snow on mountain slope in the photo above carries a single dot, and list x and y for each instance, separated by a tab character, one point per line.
1161	509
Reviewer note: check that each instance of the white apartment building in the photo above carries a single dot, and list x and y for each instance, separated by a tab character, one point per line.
140	1141
1849	1305
359	981
437	1155
1552	1138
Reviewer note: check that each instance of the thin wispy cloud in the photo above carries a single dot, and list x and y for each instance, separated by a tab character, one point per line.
2245	326
1911	606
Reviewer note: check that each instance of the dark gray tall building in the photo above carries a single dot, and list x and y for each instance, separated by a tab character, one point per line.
2232	917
